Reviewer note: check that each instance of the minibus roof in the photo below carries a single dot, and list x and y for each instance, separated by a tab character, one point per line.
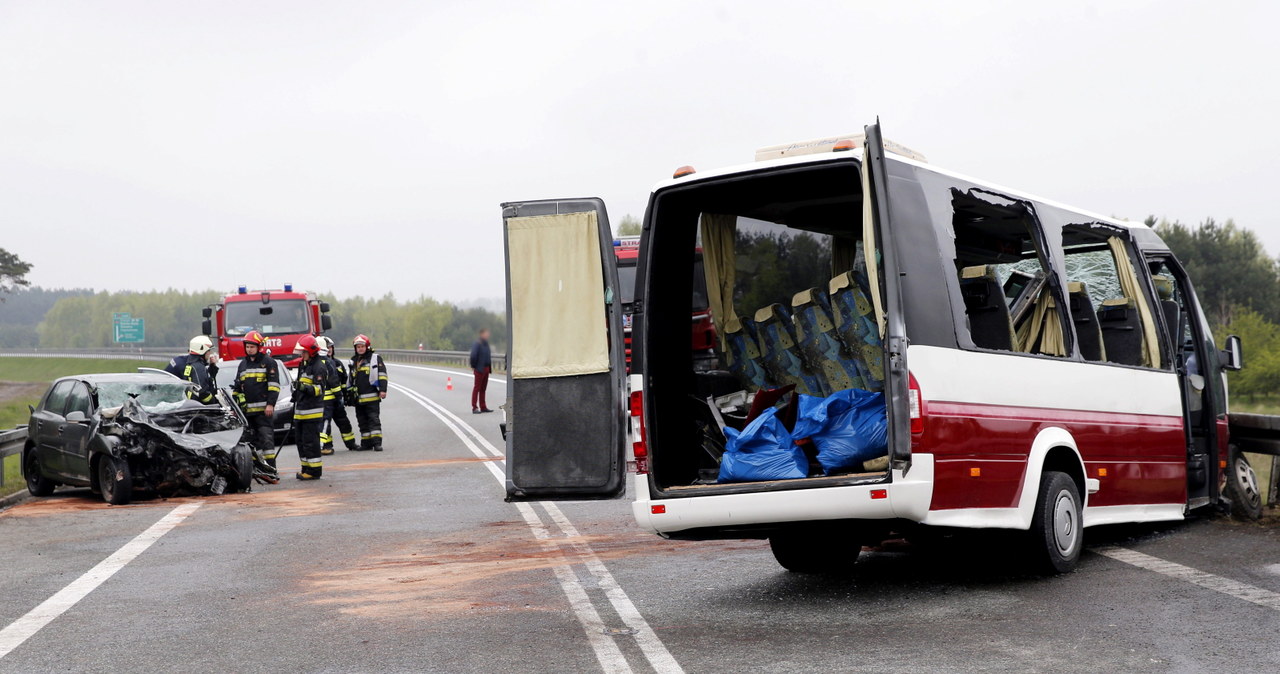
1144	234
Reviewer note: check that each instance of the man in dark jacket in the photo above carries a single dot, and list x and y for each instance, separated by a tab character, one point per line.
369	379
308	406
198	367
335	409
257	387
481	366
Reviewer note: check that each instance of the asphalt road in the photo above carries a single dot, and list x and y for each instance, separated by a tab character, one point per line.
409	560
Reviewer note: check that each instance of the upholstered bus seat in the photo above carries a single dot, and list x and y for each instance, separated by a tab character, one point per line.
1121	331
990	325
1088	334
856	326
743	354
821	346
783	360
1169	307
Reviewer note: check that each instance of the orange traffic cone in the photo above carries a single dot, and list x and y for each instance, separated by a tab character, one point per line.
448	386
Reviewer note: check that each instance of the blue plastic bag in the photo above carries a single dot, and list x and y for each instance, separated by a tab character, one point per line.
847	428
762	451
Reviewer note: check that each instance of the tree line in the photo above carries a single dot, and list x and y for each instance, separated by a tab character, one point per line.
33	317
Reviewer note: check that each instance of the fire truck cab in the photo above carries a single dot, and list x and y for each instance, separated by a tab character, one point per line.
281	315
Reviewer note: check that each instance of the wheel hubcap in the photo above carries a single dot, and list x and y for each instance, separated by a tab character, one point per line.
1065	526
1247	481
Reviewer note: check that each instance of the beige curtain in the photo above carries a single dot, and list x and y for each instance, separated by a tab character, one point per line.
558	320
869	244
719	264
1133	292
1044	324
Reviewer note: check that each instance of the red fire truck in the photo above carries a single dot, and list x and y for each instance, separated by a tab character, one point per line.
282	316
626	250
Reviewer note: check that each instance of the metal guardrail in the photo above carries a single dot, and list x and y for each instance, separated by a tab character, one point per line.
11	443
454	358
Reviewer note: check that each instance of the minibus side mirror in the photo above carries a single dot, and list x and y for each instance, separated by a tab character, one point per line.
206	327
1233	356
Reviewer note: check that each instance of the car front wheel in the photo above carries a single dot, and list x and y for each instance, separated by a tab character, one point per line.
37	483
115	480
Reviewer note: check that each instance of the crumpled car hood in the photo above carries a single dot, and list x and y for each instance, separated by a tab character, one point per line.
199	444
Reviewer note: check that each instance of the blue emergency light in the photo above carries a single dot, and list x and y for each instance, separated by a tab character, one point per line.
243	289
288	287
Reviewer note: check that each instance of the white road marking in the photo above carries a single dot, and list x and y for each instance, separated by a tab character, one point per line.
654	650
460	373
25	627
1204	579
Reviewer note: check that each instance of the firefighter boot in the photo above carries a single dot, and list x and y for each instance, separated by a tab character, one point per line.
309	473
326	443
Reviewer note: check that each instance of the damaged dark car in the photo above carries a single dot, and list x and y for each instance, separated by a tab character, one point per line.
124	433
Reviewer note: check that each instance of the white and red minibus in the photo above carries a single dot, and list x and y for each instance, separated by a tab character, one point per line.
1042	368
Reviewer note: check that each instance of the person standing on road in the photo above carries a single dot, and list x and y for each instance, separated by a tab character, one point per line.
481	367
308	406
335	411
369	379
257	387
199	367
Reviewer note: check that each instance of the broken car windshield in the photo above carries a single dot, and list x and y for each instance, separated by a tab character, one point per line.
152	397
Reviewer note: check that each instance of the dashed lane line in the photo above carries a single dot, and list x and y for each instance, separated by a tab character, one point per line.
25	627
650	645
1204	579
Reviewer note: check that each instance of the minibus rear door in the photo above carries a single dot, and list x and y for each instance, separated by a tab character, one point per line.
566	400
875	176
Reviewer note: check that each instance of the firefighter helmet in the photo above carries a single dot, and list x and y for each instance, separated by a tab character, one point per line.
308	344
200	345
326	344
361	339
255	338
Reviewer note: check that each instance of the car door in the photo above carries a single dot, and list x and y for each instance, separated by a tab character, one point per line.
48	422
877	220
77	428
566	400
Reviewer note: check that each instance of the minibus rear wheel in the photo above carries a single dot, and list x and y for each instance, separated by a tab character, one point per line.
1056	532
823	550
1241	488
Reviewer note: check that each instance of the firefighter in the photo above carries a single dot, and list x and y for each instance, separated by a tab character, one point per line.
199	367
257	387
334	408
308	406
369	381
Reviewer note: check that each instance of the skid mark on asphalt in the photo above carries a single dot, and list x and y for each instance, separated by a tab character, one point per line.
25	627
264	504
606	649
1204	579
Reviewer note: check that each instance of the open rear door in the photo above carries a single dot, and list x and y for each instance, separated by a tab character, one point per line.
875	194
566	398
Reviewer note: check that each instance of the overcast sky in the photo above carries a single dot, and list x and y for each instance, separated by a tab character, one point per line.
365	147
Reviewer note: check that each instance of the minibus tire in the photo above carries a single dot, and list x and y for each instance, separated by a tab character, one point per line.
1057	536
817	550
1242	488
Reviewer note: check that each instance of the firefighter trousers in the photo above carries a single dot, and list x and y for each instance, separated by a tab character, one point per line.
335	412
369	416
261	434
308	438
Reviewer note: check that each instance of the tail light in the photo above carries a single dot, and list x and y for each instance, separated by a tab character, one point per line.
916	401
639	449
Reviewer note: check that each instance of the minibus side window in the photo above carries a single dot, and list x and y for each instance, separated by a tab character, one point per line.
1006	285
1113	315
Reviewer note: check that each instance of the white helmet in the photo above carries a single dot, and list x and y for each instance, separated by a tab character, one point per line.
326	345
200	345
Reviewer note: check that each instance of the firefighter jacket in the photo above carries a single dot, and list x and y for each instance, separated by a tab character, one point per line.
369	377
258	380
308	389
337	377
192	368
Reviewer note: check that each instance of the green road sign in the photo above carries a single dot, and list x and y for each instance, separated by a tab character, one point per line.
129	330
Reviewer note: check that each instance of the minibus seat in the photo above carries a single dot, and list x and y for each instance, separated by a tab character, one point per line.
1088	334
856	326
1121	331
743	354
1170	308
821	346
782	360
990	325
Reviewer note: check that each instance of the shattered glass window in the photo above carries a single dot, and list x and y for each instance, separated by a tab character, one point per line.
150	396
